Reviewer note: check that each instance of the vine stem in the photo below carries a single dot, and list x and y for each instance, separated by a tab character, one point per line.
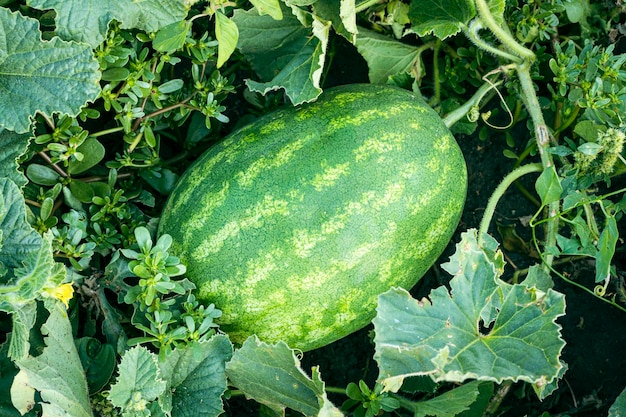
499	192
501	33
460	112
529	97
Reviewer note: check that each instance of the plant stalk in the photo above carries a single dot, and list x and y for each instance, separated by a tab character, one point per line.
499	192
460	112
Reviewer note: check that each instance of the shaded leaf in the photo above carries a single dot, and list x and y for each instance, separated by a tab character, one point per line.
450	403
98	361
196	378
386	56
88	20
342	14
482	329
57	373
283	53
271	375
442	18
12	147
36	76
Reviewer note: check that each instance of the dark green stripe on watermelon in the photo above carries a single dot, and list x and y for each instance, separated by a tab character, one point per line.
295	224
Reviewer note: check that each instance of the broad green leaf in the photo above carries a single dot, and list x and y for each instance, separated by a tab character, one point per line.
483	328
227	36
27	266
139	381
548	186
442	18
57	373
618	409
271	375
88	20
450	403
606	249
171	37
12	147
196	378
386	56
342	14
98	361
268	7
283	53
41	76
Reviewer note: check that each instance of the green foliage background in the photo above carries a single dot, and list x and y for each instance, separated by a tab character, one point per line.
103	105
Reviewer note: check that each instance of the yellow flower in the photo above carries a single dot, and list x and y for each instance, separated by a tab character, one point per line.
63	292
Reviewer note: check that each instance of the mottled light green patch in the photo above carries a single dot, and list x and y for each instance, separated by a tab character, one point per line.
362	117
312	280
295	195
304	242
410	170
329	176
246	178
346	98
393	193
272	127
209	202
259	269
433	164
253	217
387	142
443	143
305	113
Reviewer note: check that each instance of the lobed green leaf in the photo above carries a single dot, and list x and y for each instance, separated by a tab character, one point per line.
57	373
41	76
483	328
283	53
271	375
87	21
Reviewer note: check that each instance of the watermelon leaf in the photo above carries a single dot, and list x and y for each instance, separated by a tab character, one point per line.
483	328
12	147
619	406
387	57
139	381
57	373
283	53
37	76
450	403
271	375
87	21
27	266
196	378
441	18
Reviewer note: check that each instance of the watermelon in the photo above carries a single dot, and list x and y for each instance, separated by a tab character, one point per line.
294	224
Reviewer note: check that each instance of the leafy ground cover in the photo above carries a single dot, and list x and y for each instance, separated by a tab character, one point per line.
105	104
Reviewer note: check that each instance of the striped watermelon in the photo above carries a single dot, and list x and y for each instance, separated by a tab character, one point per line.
294	224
